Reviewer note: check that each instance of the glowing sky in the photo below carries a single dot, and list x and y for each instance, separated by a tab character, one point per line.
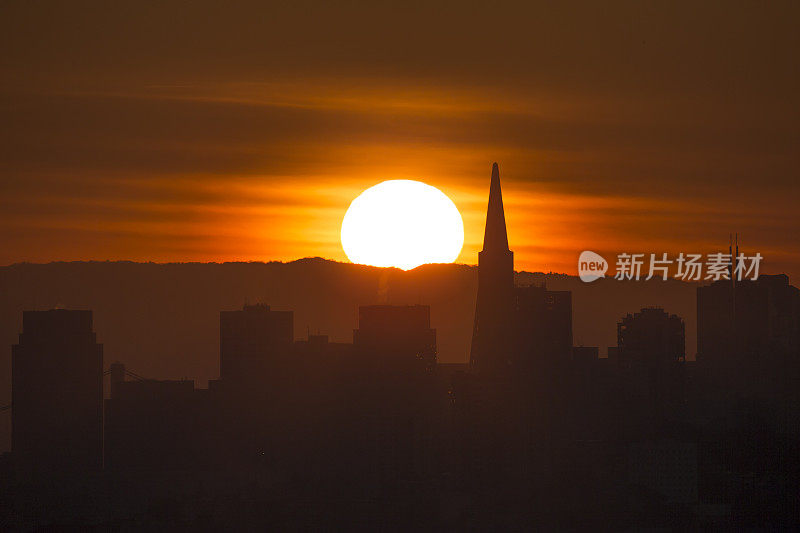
200	132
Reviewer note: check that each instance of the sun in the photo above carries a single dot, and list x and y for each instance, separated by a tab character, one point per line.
403	224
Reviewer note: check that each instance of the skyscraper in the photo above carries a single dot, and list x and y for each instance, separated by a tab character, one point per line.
154	424
515	327
395	416
57	393
253	341
748	336
652	338
494	312
741	323
652	352
543	319
399	332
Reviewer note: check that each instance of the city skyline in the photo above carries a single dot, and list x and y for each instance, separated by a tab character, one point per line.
397	266
532	430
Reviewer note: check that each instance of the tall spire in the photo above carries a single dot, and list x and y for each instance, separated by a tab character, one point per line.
494	306
495	236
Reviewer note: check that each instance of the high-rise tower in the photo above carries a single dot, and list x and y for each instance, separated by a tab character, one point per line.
253	343
57	393
494	312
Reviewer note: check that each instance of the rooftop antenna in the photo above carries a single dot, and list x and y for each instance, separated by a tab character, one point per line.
730	254
733	287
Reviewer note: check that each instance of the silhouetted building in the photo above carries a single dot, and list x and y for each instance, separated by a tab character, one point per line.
257	383
253	340
515	328
393	332
748	344
319	348
651	338
651	351
400	405
585	354
612	354
509	410
153	424
492	351
741	324
57	393
543	320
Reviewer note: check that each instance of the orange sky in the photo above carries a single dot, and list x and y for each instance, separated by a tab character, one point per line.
178	132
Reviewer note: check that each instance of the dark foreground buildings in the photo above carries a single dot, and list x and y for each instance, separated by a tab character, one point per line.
57	394
515	327
251	340
748	337
375	434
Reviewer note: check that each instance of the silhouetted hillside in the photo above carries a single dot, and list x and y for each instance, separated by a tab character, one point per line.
162	320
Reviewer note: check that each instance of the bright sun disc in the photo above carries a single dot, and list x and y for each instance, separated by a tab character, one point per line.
404	224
